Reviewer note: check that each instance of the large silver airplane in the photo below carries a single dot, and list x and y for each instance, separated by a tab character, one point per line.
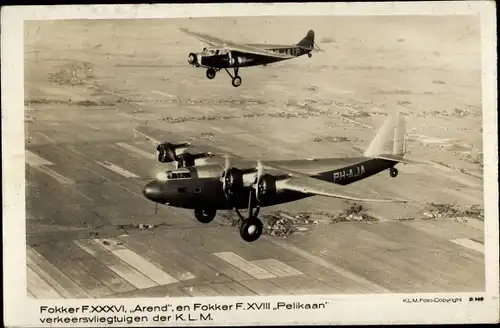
207	182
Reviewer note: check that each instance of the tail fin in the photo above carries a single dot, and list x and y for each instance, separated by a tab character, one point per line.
308	41
390	138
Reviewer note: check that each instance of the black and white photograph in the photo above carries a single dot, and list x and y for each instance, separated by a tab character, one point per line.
210	156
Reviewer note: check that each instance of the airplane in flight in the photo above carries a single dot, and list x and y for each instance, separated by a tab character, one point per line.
207	182
224	54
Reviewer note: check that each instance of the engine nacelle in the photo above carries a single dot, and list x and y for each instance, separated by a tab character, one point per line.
232	181
266	186
168	152
187	159
193	59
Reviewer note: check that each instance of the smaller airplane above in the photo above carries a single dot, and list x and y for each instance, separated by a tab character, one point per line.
224	54
206	182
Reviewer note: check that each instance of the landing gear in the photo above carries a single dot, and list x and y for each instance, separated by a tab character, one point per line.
236	80
205	215
251	229
251	226
309	55
393	172
210	73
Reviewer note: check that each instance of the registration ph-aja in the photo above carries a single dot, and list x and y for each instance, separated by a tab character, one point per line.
349	173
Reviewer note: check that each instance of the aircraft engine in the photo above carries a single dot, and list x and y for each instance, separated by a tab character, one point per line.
187	159
266	185
233	181
192	59
167	152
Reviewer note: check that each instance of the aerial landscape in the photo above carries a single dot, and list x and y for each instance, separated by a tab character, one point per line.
91	87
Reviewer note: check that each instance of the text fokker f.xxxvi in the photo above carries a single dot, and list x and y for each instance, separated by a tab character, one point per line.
224	54
207	182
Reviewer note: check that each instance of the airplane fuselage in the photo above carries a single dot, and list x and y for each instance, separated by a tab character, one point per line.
207	190
225	55
219	59
233	183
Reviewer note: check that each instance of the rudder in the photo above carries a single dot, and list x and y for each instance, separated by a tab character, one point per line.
308	41
390	138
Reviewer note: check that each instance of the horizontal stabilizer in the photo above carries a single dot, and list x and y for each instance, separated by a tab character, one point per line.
400	159
313	186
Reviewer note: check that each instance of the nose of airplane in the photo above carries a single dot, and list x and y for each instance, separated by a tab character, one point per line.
192	59
153	191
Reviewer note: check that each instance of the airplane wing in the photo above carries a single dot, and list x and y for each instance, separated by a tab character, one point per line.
206	142
200	143
154	141
229	45
401	159
313	186
298	181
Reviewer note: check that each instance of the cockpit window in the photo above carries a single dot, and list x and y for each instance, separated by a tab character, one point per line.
211	51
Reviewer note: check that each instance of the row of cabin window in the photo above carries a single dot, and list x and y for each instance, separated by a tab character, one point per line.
180	175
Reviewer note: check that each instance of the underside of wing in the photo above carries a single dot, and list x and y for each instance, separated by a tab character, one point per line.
312	166
256	51
401	159
313	186
229	45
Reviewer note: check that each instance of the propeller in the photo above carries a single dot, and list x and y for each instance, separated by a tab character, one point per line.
224	178
230	55
260	173
227	163
233	178
260	170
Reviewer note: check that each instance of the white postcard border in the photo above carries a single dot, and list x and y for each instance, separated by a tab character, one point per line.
344	309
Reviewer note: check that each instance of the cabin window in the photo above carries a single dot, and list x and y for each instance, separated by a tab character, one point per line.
178	175
184	175
181	190
197	190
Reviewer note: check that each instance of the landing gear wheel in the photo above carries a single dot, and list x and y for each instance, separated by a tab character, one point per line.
205	215
393	172
210	73
251	229
309	55
236	81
